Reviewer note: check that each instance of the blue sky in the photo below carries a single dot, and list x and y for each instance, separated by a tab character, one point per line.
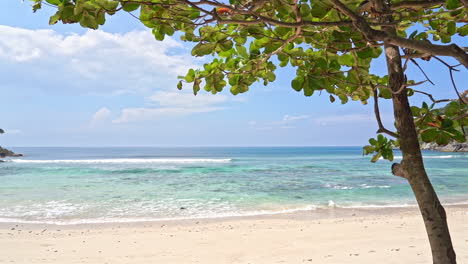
63	85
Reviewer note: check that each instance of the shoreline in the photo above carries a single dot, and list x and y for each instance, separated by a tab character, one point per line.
346	236
331	213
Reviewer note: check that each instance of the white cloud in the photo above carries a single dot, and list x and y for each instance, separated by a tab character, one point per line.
101	115
172	104
285	123
144	114
12	131
288	118
95	62
344	119
186	100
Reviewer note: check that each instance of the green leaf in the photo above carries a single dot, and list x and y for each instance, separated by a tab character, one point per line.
240	40
271	76
442	139
429	135
179	85
88	21
416	111
376	157
54	2
451	27
343	98
463	31
53	19
226	45
452	109
129	7
242	51
332	99
190	76
304	9
109	5
346	59
446	123
101	18
452	4
297	83
196	86
385	93
36	6
202	49
368	149
381	139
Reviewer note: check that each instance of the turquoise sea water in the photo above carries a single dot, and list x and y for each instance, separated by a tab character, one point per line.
89	185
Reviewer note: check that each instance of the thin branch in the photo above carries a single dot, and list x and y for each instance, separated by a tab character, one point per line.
451	70
416	4
461	116
405	85
416	55
369	33
432	98
381	129
427	77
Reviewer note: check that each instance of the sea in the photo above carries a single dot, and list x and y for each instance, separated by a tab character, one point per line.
133	184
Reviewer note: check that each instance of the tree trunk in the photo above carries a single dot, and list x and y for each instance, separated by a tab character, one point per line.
412	165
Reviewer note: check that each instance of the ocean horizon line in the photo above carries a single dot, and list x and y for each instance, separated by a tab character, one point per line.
201	146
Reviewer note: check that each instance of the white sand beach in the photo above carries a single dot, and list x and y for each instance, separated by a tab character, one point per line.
341	236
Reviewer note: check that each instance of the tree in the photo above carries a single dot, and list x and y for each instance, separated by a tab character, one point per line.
331	43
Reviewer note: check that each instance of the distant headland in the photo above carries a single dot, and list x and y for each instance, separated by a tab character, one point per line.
6	152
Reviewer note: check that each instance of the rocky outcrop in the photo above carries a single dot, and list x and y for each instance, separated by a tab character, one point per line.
450	147
8	153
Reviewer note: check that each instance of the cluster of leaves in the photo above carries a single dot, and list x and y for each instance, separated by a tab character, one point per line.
335	59
441	125
248	40
89	14
440	23
382	147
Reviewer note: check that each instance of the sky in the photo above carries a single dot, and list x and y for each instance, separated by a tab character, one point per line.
63	85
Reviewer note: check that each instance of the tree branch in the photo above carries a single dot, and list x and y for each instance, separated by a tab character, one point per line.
369	33
451	70
423	72
416	4
381	129
432	98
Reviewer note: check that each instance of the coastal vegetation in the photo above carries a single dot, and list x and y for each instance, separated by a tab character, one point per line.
450	109
331	44
6	152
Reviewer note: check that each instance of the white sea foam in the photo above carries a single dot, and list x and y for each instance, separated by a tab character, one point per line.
104	220
438	156
109	220
107	161
365	186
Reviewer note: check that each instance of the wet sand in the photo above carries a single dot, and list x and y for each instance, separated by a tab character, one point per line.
390	235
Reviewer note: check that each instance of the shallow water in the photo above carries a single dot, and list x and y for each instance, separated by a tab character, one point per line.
80	185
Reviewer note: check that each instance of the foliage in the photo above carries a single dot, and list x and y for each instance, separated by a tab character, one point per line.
438	124
327	42
382	146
